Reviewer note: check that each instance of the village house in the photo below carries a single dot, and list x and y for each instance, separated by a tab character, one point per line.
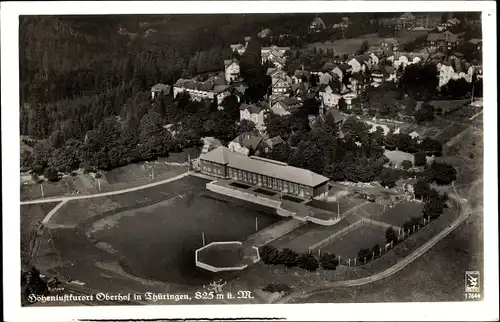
317	25
239	48
475	70
300	75
377	76
281	84
247	143
232	70
341	70
286	106
406	20
300	90
209	144
442	41
160	89
275	55
253	113
329	95
273	143
264	33
446	73
389	45
477	42
211	89
355	65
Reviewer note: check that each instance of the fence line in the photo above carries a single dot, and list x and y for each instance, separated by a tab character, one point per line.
403	235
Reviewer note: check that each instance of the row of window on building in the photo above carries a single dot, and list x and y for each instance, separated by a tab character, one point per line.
269	182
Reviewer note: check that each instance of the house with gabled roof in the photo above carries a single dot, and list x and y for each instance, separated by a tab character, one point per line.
275	55
281	84
330	95
317	25
231	70
253	113
247	142
272	143
300	75
239	48
160	89
286	106
442	41
264	33
214	88
300	90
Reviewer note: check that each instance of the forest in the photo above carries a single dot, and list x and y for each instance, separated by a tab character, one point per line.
86	103
85	80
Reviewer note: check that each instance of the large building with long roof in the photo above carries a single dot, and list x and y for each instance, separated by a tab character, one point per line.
270	174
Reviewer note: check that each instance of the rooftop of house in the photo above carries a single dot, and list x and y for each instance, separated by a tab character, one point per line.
215	83
300	73
302	86
445	36
475	41
289	102
249	140
160	87
272	142
266	167
228	62
253	109
318	21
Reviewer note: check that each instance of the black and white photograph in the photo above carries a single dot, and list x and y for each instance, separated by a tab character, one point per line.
203	156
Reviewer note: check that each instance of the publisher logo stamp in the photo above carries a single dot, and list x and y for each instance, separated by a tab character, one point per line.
472	282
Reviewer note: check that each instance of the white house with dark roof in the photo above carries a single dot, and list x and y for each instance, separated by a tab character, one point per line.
270	174
231	70
253	113
160	89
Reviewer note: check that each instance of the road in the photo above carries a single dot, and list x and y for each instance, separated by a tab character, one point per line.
327	287
104	194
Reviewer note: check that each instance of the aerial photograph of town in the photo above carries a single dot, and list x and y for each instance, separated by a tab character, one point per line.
263	158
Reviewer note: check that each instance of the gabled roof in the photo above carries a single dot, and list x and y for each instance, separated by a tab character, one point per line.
303	87
318	21
329	66
253	109
229	62
180	82
272	142
221	88
475	41
160	87
344	67
249	140
241	88
363	58
433	37
283	78
270	168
